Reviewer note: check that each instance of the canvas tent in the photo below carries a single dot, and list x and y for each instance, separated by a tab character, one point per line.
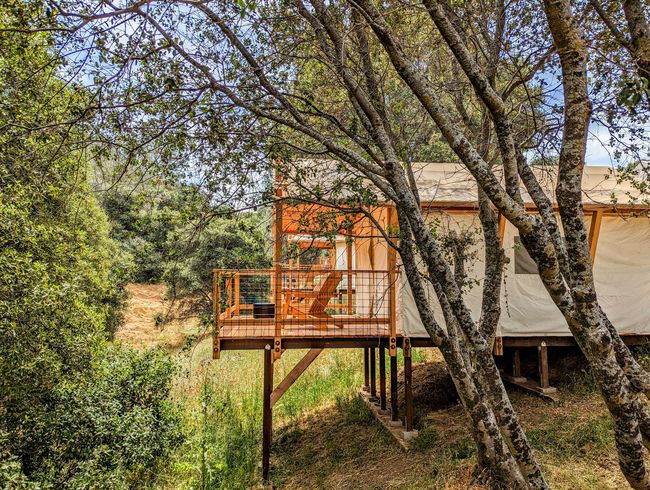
621	247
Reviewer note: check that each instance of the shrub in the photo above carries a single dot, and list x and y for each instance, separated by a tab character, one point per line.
115	424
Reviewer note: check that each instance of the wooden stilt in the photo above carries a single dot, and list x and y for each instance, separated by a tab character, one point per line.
542	352
408	391
394	405
366	369
373	374
267	419
382	379
516	364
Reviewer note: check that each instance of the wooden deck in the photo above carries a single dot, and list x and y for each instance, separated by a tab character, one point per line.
338	326
284	307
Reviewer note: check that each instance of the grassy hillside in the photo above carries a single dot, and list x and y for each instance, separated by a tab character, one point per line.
324	437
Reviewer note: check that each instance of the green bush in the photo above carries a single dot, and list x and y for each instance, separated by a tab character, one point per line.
74	412
115	423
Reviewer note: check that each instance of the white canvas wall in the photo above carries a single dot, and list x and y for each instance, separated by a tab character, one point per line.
622	274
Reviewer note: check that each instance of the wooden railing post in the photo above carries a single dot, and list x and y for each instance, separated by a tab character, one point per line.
237	293
392	314
348	252
277	262
392	278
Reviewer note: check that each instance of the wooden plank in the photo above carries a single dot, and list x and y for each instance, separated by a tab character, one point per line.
294	374
594	232
267	417
250	321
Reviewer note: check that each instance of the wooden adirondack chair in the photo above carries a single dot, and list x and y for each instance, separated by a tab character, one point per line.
312	303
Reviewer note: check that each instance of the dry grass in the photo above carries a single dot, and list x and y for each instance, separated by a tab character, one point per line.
153	321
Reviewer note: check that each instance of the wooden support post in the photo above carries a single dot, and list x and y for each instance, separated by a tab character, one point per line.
382	379
516	364
267	418
542	351
394	405
594	232
277	275
392	281
408	385
294	374
373	375
366	369
237	294
502	228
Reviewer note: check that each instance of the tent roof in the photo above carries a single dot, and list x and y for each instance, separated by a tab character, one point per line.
452	182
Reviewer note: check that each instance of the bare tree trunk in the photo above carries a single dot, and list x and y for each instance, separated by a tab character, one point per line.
496	464
479	350
593	337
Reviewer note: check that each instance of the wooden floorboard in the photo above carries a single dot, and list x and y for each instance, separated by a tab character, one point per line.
268	331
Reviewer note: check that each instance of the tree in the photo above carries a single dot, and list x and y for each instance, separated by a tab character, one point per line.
245	61
73	410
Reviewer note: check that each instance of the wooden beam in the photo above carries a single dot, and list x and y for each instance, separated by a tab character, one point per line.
267	417
594	232
294	374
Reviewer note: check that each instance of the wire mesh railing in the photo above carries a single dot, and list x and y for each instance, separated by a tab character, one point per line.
303	302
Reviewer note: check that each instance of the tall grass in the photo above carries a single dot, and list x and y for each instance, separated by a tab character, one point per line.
223	406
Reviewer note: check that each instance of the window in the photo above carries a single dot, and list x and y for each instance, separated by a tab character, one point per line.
524	264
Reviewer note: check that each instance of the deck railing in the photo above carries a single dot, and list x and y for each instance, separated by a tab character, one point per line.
303	302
